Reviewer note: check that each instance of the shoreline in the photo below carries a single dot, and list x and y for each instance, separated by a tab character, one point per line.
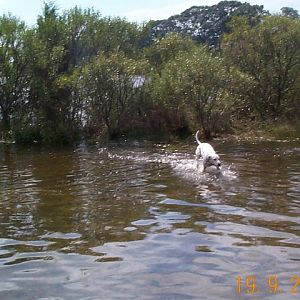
257	132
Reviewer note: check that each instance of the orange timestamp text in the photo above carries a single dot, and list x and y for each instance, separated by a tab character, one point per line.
271	285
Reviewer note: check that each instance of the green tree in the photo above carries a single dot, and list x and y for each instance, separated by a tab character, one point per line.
50	64
13	68
162	117
89	33
289	12
202	85
270	54
166	48
109	85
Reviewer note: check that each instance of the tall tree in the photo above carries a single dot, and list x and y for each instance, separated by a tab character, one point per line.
49	64
13	68
202	85
166	48
289	12
109	85
270	53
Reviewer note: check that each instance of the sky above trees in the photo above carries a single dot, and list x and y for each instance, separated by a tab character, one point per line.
133	10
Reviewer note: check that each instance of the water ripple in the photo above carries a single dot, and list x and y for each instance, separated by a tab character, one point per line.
122	221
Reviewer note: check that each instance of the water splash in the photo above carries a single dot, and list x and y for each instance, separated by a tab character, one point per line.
187	168
182	164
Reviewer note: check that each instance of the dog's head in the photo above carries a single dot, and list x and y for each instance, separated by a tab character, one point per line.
214	160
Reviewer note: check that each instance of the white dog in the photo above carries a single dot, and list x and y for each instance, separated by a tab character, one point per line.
207	152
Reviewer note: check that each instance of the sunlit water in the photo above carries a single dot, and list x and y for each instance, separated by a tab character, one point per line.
144	223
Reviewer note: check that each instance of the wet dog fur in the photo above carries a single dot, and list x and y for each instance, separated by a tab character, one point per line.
208	154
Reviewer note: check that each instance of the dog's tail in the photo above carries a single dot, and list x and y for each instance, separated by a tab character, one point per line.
196	136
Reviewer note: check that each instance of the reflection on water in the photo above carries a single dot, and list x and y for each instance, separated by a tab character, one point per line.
113	223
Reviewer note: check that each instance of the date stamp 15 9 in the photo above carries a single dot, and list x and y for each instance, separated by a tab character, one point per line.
269	285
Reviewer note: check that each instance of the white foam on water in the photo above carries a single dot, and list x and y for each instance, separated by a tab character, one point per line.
187	169
184	165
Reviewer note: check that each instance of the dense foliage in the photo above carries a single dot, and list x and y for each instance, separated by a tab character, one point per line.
270	54
80	75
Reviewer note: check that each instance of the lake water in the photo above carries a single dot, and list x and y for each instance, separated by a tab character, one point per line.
141	222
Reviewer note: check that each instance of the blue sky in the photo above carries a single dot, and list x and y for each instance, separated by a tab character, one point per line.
133	10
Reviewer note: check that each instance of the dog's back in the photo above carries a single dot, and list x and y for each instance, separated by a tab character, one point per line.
207	152
203	148
206	149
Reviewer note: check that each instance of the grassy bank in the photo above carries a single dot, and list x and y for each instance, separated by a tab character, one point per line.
266	131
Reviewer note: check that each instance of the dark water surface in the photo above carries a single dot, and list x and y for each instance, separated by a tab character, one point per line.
143	223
